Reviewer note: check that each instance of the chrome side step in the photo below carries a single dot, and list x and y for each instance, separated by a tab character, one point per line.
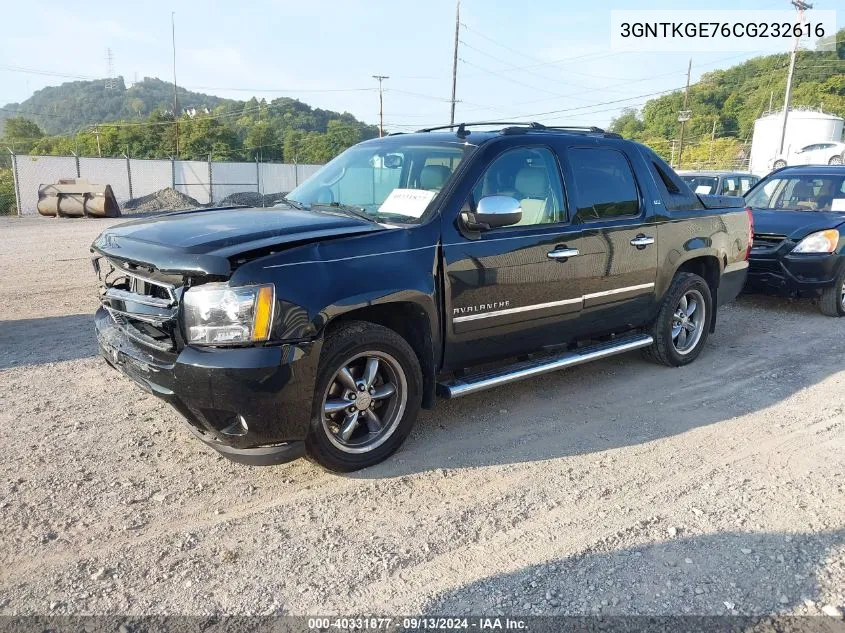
519	371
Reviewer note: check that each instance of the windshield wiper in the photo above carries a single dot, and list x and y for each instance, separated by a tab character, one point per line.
348	208
291	203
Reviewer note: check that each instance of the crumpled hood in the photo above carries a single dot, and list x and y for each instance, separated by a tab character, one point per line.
795	224
202	241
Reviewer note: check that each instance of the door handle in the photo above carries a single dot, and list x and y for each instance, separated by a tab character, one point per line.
563	253
641	241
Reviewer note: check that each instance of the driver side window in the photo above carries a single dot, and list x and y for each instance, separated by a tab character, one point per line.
531	176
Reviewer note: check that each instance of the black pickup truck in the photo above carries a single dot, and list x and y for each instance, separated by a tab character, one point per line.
321	326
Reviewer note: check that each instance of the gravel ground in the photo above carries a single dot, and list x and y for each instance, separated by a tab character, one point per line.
164	199
252	198
619	487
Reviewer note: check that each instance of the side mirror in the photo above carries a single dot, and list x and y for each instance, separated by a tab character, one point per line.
494	212
393	161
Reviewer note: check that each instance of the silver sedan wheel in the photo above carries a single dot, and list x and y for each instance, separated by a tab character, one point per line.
842	296
688	322
364	402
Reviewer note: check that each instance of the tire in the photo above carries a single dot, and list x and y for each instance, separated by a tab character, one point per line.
779	164
335	440
835	160
673	351
833	298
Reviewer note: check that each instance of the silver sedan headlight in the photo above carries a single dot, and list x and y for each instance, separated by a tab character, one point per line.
819	242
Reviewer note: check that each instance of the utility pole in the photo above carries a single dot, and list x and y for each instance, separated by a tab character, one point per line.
97	134
380	78
712	140
800	7
455	60
175	100
672	156
684	116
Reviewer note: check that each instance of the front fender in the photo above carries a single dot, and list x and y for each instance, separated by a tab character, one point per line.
318	282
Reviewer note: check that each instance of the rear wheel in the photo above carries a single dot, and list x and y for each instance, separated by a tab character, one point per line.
779	164
835	160
683	323
369	388
833	298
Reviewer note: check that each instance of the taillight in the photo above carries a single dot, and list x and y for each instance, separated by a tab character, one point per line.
750	232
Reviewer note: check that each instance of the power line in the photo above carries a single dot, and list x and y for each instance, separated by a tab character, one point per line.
49	73
511	79
497	43
297	90
649	94
499	59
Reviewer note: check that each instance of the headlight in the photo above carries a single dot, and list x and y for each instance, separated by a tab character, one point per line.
217	314
821	242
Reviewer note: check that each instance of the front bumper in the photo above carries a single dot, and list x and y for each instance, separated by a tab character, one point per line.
776	271
251	404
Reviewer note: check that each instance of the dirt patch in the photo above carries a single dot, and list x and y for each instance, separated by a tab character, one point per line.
619	487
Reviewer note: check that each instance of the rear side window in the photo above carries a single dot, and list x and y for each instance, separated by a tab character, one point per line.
676	194
605	187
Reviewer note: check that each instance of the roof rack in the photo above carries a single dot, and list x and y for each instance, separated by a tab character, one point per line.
519	127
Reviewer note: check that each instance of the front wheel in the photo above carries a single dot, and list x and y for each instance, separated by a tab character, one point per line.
683	323
835	160
369	390
833	298
779	164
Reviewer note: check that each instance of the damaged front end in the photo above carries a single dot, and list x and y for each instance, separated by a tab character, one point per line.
145	305
245	401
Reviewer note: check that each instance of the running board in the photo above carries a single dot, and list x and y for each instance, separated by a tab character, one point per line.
472	383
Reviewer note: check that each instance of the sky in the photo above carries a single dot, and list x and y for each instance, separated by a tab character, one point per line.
545	60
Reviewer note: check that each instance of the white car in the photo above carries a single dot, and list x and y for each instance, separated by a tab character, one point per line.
828	153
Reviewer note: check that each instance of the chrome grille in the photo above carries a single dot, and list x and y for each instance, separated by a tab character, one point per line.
145	308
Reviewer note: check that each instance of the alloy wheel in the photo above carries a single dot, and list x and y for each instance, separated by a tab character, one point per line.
364	402
688	322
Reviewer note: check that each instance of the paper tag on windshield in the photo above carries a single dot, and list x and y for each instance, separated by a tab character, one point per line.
703	189
838	204
410	202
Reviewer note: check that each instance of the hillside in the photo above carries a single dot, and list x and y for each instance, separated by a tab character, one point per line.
734	98
73	105
86	118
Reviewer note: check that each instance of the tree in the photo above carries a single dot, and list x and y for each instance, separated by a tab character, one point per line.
263	139
205	136
21	134
627	124
7	192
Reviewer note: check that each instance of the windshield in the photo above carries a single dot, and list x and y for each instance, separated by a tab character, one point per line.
800	193
701	184
390	181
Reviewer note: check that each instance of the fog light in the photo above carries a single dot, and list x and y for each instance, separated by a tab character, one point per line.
237	428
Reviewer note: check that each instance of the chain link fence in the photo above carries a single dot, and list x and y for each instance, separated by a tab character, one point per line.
207	182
